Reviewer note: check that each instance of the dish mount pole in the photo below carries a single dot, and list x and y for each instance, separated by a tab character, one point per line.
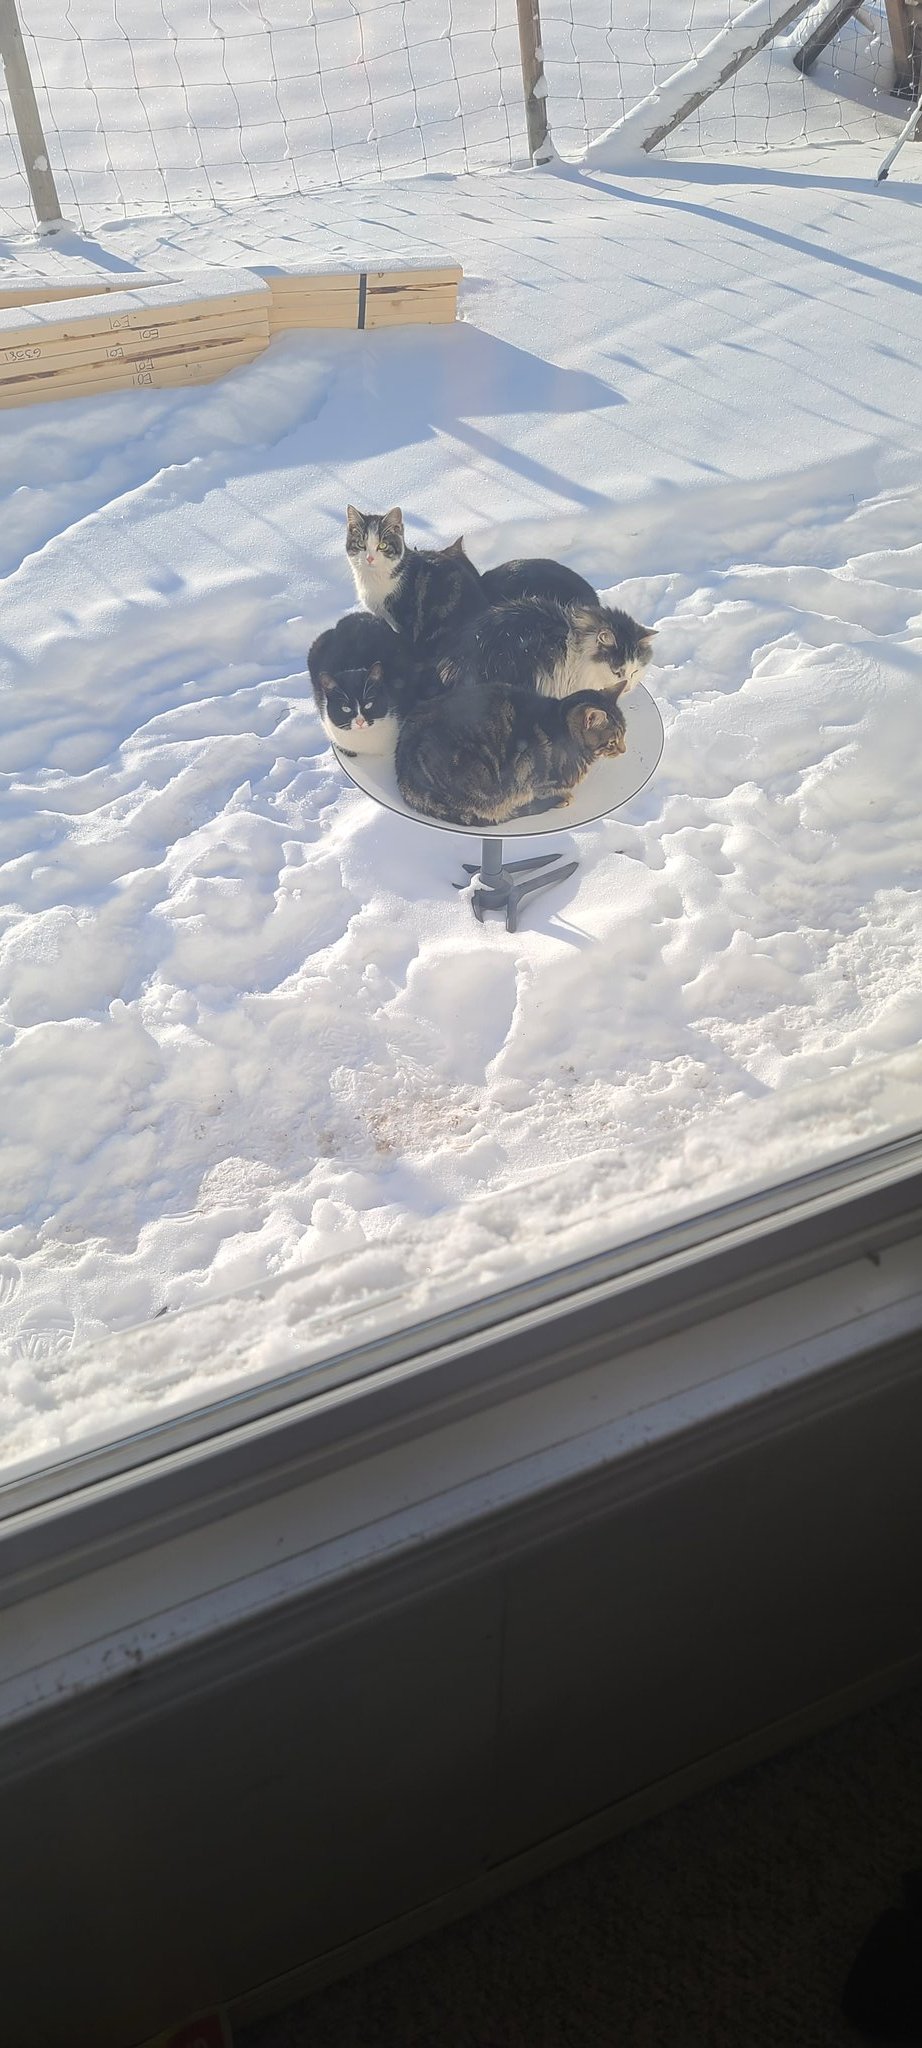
494	885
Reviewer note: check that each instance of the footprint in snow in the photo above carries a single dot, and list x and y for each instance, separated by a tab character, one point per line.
44	1334
10	1277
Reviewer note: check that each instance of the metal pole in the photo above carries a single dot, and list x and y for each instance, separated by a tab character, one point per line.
910	127
26	116
539	144
491	860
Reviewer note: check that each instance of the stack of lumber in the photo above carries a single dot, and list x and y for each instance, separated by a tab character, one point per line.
411	292
82	339
188	331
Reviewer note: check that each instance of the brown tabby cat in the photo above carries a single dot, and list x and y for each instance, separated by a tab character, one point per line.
481	755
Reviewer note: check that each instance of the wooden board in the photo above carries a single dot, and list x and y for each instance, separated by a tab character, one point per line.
308	287
340	310
405	309
38	292
385	305
88	371
415	280
39	355
19	328
298	284
394	262
299	305
426	294
140	376
152	308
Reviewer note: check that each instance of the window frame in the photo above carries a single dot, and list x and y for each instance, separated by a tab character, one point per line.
109	1502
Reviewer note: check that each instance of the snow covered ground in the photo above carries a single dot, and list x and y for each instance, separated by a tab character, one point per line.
245	1023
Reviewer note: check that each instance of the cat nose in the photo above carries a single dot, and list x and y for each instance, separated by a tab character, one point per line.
361	723
369	558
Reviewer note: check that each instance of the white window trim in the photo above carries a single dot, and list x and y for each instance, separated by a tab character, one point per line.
183	1470
348	1539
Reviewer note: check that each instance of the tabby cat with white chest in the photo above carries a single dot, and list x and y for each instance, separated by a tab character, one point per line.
426	594
362	677
479	757
536	643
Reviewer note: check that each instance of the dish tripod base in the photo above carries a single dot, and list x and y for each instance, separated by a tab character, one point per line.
496	885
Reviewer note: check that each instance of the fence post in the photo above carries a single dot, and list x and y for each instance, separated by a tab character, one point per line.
539	145
26	116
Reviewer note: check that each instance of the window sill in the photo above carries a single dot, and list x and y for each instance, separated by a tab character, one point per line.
399	1520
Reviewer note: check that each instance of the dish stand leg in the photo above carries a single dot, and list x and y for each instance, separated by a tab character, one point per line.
494	884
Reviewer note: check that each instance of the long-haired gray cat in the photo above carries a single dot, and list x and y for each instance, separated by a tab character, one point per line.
534	643
537	576
479	757
424	593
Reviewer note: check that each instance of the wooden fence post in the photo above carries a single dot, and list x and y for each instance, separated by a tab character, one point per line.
676	97
906	39
26	116
539	145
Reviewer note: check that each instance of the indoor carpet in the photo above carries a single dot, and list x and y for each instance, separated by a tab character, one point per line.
729	1922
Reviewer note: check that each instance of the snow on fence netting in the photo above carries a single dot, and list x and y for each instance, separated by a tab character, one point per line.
604	57
154	105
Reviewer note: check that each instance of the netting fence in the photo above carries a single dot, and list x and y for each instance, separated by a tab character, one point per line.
152	106
603	56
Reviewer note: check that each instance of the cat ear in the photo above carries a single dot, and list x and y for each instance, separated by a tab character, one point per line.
587	718
394	519
326	684
456	548
354	518
646	634
375	673
606	637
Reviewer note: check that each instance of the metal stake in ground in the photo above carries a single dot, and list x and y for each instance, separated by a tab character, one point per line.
26	116
906	131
